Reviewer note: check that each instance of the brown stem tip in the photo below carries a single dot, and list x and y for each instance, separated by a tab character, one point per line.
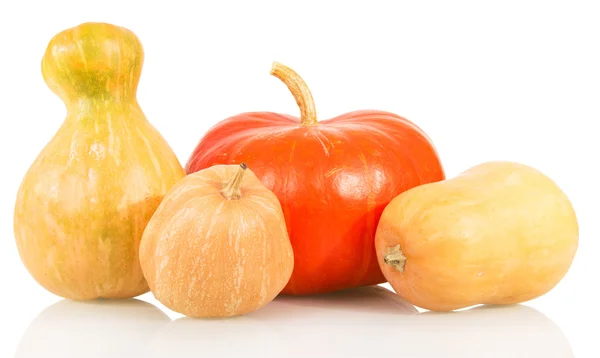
232	190
395	257
300	91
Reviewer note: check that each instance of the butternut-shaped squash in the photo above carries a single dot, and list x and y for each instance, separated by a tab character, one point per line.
499	233
83	204
217	245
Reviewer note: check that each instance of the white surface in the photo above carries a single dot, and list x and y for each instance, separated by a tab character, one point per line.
370	321
513	80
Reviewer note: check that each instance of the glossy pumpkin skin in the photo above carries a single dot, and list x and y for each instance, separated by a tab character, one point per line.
206	254
333	180
83	204
499	233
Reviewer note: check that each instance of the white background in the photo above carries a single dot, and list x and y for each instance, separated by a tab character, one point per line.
510	80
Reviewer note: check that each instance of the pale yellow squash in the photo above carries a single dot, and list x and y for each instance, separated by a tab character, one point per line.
83	204
217	245
499	233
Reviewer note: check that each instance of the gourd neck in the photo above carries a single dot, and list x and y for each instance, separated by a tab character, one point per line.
101	105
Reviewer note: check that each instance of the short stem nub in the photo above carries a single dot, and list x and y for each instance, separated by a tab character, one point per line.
395	257
232	190
300	91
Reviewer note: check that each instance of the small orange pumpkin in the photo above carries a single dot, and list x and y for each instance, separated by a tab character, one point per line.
217	245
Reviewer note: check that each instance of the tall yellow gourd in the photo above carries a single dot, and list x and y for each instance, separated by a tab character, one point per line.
84	203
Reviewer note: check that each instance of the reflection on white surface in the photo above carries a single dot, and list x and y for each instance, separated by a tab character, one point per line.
234	337
111	328
363	322
373	321
287	327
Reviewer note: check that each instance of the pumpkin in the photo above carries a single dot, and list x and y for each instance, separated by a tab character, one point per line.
83	204
333	178
499	233
217	245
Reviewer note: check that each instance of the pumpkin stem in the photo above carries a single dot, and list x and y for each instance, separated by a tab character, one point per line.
300	91
232	189
395	257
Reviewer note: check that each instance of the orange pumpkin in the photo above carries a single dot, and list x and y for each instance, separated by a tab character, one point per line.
217	245
333	179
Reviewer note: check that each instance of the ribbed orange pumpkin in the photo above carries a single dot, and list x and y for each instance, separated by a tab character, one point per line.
333	179
217	245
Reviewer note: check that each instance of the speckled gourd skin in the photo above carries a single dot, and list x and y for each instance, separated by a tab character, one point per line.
83	204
